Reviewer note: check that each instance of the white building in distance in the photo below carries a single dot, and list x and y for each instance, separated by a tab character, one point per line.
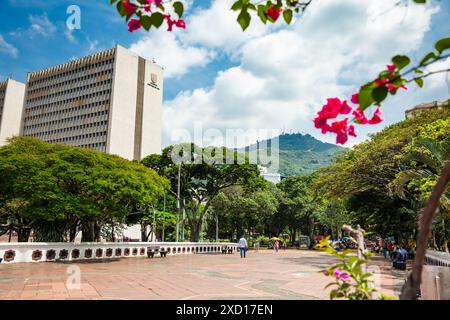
11	106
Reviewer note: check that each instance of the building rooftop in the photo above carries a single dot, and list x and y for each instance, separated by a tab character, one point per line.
427	106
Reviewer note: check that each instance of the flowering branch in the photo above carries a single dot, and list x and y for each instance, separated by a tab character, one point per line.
268	12
149	13
389	81
350	280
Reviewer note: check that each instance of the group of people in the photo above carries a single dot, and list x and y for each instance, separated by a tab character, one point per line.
394	251
275	244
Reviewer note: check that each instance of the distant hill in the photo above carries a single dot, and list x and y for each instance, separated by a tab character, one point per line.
301	154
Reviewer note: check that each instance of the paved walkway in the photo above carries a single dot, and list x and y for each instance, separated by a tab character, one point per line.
291	274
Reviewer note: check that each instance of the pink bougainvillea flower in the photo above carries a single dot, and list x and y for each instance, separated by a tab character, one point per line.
377	117
360	117
354	98
181	24
344	276
340	128
351	131
345	108
391	67
134	24
156	2
170	22
147	8
337	272
321	123
130	8
274	13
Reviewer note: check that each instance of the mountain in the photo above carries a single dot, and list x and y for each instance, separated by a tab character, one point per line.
300	154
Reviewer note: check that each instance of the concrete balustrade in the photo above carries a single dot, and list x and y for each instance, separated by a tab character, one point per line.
42	252
437	258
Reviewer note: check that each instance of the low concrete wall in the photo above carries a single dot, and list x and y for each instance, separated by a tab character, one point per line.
41	252
436	276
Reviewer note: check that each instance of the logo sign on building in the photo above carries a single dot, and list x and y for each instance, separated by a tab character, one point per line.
154	81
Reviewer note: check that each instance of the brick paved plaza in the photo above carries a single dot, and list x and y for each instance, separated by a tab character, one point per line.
291	274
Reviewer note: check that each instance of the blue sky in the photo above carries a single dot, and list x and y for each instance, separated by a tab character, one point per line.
220	78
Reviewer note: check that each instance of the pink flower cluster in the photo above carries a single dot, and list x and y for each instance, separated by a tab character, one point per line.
135	24
336	107
341	128
339	274
385	82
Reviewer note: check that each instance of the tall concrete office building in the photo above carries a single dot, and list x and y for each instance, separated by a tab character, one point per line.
110	101
11	106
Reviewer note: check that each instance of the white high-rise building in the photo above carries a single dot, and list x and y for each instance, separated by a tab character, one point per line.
110	101
11	106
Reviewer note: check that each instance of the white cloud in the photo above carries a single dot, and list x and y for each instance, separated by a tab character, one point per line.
8	48
69	35
216	27
286	75
176	57
41	25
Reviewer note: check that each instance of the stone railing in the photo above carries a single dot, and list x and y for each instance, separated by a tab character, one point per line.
437	258
41	252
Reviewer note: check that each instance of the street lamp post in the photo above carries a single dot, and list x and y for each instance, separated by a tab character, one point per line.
182	222
164	217
178	204
217	227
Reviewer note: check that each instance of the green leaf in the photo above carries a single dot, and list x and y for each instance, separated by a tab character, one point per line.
365	98
179	8
244	19
420	1
146	22
237	5
121	9
157	19
419	82
287	15
429	56
262	13
401	61
442	45
379	94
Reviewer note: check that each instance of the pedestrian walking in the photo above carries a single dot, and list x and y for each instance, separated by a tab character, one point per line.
276	245
243	246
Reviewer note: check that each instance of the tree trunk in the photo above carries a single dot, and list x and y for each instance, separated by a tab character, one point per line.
88	232
196	226
412	285
73	232
23	234
311	233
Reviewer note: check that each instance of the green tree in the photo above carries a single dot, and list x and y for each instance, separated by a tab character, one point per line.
301	206
240	211
204	172
65	189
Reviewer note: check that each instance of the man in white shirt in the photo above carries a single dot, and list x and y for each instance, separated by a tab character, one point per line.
242	246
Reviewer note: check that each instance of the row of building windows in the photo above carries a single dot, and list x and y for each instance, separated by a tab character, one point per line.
93	85
35	112
101	146
68	129
72	72
64	101
75	138
46	122
94	78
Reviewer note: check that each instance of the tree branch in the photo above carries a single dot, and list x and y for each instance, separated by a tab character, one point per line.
412	285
